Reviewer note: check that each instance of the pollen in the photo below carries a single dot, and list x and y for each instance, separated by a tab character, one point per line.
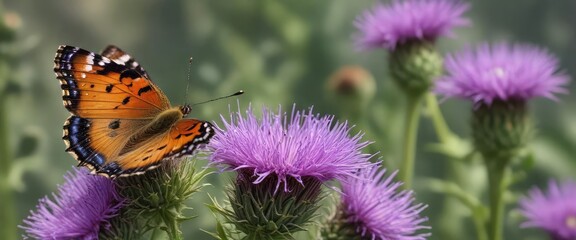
499	72
571	221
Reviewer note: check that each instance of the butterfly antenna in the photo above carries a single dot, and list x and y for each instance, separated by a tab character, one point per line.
188	79
240	92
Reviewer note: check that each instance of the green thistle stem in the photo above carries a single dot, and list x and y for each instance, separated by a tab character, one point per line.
440	126
456	168
410	136
174	232
7	215
496	169
445	136
479	223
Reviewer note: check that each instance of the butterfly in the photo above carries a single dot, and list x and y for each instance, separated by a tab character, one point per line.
121	123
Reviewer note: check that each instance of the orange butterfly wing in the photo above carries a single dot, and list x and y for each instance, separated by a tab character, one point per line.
99	147
94	86
111	98
182	139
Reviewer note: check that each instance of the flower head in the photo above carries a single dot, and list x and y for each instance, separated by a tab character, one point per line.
387	26
352	80
553	211
501	72
299	145
80	210
377	208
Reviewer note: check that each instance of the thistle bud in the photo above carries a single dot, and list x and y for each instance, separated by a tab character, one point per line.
11	22
157	200
414	66
352	88
501	128
264	210
352	81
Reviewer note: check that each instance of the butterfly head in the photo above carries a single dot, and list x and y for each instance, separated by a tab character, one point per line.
185	109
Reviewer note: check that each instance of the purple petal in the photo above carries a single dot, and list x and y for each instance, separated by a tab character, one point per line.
387	26
501	72
304	144
379	209
554	210
80	209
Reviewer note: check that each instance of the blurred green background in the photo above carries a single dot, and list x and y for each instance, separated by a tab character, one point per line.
279	53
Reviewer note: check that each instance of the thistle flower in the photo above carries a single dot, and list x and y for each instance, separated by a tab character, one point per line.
402	21
500	79
502	72
81	209
554	210
408	30
300	153
373	207
303	145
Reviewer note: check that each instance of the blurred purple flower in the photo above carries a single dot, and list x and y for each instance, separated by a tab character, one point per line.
387	26
303	145
80	209
502	72
553	211
378	211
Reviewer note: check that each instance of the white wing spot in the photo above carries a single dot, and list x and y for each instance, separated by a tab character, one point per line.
124	58
90	58
119	62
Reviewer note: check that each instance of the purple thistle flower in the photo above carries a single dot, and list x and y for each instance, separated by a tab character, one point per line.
553	211
303	145
80	210
387	26
502	72
378	211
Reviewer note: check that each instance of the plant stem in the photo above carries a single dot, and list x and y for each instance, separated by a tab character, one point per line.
175	233
479	223
456	169
441	128
7	215
496	170
410	137
446	137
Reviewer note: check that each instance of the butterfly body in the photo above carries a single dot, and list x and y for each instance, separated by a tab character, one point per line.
159	125
121	123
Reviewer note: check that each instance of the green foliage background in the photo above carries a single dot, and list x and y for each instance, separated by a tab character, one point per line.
280	53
